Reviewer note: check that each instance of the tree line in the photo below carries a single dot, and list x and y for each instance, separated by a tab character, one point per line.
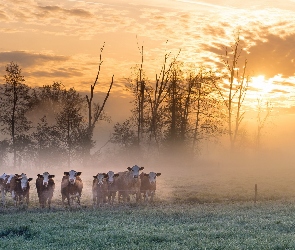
179	108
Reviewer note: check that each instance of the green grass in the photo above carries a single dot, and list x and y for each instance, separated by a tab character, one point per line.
242	225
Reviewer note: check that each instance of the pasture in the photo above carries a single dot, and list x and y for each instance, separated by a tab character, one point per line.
269	225
208	209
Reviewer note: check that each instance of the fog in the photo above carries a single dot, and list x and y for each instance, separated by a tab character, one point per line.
213	174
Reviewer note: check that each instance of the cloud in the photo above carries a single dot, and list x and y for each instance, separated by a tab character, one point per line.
59	73
284	83
58	10
275	55
28	59
280	91
3	16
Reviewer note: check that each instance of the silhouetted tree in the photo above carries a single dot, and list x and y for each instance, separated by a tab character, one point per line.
4	147
124	135
48	145
15	102
71	124
234	93
95	110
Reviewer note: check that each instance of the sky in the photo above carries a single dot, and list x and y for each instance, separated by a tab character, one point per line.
60	40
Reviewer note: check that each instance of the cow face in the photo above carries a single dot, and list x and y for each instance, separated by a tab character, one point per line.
45	176
100	178
72	175
24	181
152	177
3	176
10	177
111	175
135	170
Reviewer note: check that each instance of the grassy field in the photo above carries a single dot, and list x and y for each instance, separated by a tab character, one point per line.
208	209
242	225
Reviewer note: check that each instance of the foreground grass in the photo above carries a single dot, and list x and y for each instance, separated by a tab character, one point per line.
243	225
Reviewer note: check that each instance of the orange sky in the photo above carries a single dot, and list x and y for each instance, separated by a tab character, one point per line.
55	40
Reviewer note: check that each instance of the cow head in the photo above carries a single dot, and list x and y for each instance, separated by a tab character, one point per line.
24	181
100	177
72	175
45	176
111	176
135	170
152	177
3	176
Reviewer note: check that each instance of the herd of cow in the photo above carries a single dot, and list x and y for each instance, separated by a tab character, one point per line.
105	187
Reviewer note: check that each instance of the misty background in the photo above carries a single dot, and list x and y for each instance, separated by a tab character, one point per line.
206	127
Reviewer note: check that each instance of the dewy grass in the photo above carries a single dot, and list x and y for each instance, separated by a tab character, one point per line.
267	225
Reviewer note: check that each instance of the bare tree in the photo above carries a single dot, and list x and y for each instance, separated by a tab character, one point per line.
233	95
263	114
95	111
157	95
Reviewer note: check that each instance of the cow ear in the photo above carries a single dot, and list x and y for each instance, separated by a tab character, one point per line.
129	168
146	174
158	174
51	176
66	173
141	168
30	179
79	173
116	175
95	177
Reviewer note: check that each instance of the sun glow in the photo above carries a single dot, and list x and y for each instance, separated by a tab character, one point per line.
261	86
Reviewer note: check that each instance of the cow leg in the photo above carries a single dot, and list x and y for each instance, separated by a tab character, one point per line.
14	197
94	198
152	196
137	196
3	195
63	199
41	201
113	195
28	198
119	195
127	197
146	196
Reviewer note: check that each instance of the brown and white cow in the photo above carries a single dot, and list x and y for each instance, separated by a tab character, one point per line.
71	187
148	185
7	185
45	187
99	189
112	186
21	189
128	183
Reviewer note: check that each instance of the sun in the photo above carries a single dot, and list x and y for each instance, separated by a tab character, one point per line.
260	85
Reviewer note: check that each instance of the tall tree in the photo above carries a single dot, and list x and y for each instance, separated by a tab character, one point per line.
48	145
95	110
234	94
71	124
15	102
